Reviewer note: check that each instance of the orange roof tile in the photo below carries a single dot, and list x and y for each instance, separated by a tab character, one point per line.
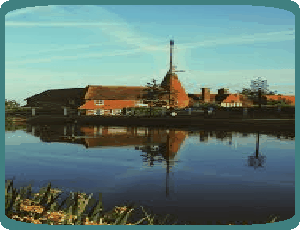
233	98
114	92
281	97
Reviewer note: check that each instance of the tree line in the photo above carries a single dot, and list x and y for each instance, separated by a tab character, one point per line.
256	92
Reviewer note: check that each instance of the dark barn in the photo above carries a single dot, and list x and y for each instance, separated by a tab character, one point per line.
61	102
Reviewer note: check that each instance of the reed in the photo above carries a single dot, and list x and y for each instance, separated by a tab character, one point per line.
49	207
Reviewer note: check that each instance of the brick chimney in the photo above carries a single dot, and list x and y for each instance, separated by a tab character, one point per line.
206	95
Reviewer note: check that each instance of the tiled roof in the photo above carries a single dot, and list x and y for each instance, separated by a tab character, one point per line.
58	94
114	92
233	98
281	97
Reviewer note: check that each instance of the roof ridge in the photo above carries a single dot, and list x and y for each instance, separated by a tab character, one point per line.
117	86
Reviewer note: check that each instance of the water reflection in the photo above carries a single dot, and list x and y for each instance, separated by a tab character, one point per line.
156	144
257	160
210	161
60	133
13	124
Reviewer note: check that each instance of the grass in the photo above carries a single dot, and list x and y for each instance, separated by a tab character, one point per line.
48	207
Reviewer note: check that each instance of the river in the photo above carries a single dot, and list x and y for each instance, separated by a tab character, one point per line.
196	175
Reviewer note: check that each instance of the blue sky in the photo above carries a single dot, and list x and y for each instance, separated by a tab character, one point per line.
53	47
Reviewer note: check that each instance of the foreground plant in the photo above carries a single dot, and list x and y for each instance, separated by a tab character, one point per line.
48	207
77	209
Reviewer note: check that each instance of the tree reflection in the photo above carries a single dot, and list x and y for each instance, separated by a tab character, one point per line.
257	160
164	152
158	154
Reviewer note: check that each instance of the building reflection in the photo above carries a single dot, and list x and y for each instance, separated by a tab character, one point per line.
54	133
203	135
165	141
164	152
158	145
100	136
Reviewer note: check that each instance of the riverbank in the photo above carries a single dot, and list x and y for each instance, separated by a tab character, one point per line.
15	119
237	124
45	208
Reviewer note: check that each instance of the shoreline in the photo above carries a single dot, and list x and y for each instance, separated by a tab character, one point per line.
174	122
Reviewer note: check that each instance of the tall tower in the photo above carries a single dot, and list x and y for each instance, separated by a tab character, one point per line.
171	55
176	95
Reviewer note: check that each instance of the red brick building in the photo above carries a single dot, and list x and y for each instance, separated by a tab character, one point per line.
177	96
236	100
110	100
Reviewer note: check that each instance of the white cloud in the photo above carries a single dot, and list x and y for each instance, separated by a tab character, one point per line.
127	37
65	47
243	39
75	57
60	24
18	12
109	24
282	79
119	31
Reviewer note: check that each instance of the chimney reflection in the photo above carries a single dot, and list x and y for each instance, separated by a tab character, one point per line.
204	136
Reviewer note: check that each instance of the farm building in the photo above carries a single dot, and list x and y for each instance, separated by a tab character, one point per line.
56	101
110	100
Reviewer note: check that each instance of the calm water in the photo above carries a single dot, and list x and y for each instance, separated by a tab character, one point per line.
195	175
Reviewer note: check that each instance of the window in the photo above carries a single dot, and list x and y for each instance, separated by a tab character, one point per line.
138	102
99	102
117	111
98	112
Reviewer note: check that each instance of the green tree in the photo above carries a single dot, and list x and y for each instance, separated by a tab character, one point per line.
246	91
257	160
259	88
153	94
11	104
